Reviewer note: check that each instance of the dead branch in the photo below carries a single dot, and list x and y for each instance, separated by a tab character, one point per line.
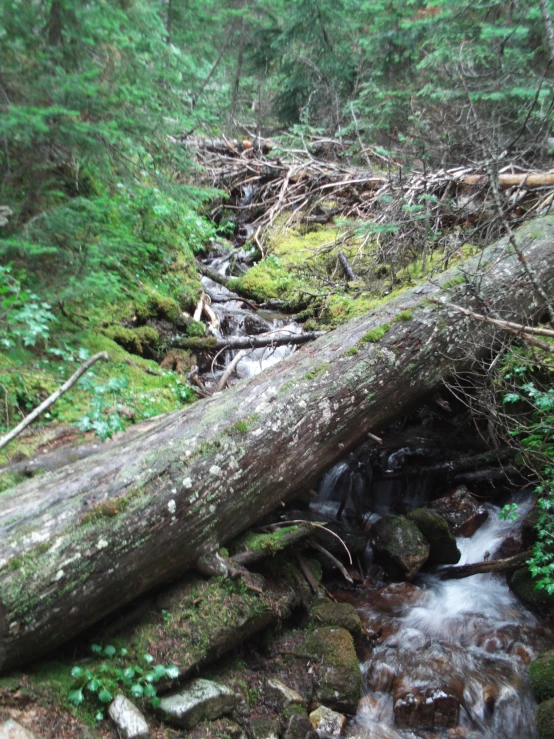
52	398
478	568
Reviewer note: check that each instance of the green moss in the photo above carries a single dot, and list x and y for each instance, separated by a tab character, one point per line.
406	315
267	543
195	328
453	282
241	427
133	339
541	676
375	335
351	352
545	719
318	371
341	615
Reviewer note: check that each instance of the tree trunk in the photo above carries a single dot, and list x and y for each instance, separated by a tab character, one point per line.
88	538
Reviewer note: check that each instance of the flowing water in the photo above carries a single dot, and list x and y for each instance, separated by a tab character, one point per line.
440	644
448	654
235	321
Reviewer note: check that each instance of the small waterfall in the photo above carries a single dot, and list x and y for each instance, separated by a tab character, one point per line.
442	643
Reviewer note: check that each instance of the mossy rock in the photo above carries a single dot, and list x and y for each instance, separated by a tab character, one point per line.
524	586
399	546
264	728
444	550
343	615
195	328
339	678
134	340
541	676
545	719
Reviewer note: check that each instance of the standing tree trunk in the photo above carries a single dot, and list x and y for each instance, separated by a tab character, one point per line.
86	539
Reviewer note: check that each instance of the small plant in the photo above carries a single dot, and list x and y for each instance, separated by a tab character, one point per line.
24	318
103	398
509	513
99	684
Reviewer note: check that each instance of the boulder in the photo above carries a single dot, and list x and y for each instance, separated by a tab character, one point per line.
529	527
265	728
326	721
130	722
429	708
254	325
202	700
541	676
339	678
442	542
545	719
298	726
399	546
279	693
524	586
338	614
463	513
12	730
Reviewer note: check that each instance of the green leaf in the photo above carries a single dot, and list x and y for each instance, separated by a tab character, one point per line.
96	648
105	696
137	690
77	672
173	672
76	697
148	658
94	685
110	651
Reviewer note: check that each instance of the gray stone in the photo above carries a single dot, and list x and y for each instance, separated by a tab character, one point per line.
130	722
299	727
202	700
12	730
399	546
282	695
326	721
264	728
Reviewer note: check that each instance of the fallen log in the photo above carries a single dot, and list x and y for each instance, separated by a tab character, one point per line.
86	539
276	338
456	572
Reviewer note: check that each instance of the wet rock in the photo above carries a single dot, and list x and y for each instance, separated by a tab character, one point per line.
279	693
298	726
130	722
254	325
265	728
529	527
399	546
12	730
202	700
433	526
463	513
326	721
545	719
523	584
223	729
339	678
430	708
541	676
338	614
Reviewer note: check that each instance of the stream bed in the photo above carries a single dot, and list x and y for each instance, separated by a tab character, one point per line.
451	653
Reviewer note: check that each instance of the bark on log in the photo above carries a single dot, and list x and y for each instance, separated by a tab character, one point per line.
248	342
509	564
86	539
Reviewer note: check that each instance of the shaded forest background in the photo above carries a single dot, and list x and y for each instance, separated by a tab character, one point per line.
102	214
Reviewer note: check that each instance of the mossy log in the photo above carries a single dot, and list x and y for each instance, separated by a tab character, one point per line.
79	542
276	338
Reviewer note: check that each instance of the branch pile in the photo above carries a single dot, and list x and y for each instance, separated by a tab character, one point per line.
265	181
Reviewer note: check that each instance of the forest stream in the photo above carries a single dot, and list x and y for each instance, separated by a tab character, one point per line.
454	653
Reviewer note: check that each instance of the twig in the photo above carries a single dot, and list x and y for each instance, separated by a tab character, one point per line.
338	564
230	369
52	398
526	332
